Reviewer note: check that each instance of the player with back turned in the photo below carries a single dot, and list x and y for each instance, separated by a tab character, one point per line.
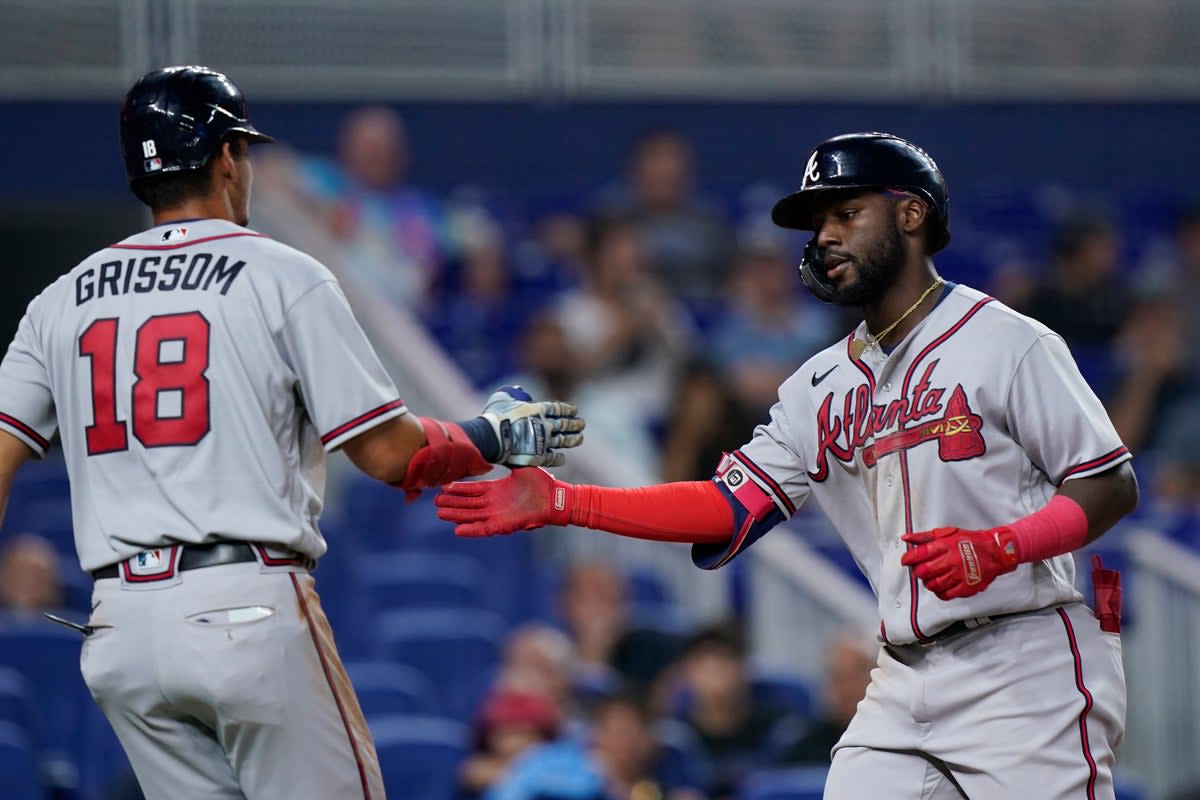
197	372
962	458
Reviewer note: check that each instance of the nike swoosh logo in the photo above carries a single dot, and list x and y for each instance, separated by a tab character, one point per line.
818	378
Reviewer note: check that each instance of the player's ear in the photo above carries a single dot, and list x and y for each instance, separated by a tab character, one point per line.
227	157
912	213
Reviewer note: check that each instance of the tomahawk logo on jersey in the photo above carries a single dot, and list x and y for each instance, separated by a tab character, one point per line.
863	426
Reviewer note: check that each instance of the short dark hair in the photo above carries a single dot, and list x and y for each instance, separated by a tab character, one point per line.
725	638
1075	232
173	189
601	227
625	697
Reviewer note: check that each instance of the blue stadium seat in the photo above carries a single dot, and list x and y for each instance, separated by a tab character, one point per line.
384	688
784	691
48	656
103	761
419	755
415	579
1128	789
18	765
77	587
456	649
648	590
371	512
682	748
798	783
16	703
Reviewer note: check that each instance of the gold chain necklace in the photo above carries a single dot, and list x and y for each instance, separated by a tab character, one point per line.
859	346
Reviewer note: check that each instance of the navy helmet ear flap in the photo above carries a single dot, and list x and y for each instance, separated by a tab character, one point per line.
812	271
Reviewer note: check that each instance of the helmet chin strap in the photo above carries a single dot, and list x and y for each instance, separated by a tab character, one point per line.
812	272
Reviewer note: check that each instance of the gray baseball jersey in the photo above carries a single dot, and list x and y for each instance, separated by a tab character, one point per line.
195	372
972	421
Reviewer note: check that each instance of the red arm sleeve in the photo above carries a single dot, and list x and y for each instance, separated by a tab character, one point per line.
693	511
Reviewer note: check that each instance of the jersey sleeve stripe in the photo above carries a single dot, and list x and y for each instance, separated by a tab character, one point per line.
25	433
183	244
784	501
1098	464
360	420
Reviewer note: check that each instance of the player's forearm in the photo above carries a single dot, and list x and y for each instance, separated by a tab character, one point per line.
691	511
1105	498
13	453
1081	512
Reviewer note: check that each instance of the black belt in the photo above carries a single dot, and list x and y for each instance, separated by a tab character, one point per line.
961	626
196	556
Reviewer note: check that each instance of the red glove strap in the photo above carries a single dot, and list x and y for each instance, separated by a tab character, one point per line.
692	512
1061	526
448	455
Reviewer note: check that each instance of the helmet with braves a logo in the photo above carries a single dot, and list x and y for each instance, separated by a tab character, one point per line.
175	119
863	161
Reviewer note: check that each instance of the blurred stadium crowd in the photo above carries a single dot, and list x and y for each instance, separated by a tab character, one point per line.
486	671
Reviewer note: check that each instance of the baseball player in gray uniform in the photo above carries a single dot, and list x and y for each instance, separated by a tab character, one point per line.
962	458
197	373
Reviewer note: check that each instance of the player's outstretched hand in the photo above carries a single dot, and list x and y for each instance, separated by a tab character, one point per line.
952	562
531	433
526	499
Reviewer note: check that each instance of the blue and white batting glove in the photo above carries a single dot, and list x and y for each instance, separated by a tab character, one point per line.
531	432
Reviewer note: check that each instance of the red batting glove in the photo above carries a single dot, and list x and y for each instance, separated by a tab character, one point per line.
528	498
953	563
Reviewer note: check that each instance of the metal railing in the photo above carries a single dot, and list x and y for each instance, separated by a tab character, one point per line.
551	49
1162	660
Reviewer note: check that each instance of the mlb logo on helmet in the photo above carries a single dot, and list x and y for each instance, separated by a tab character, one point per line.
153	164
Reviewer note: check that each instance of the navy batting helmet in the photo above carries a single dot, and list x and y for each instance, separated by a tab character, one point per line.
866	161
175	119
863	161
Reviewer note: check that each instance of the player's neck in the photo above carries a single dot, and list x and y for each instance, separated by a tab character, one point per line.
910	287
209	207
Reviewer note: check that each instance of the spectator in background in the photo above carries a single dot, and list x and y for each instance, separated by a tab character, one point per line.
30	575
628	338
1083	299
633	764
1178	275
708	419
610	648
539	658
767	328
594	603
511	724
477	319
1151	354
688	244
735	734
545	360
848	665
394	235
1174	502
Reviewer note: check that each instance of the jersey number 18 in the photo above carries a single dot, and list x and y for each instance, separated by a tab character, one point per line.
179	369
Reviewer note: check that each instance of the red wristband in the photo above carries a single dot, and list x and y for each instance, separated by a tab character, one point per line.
448	455
1061	526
